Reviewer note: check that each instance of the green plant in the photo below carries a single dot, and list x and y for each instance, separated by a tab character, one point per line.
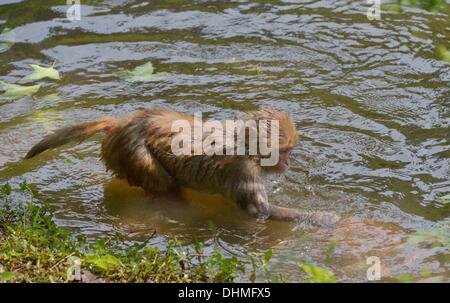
34	249
317	274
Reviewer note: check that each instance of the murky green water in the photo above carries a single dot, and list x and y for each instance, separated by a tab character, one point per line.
370	99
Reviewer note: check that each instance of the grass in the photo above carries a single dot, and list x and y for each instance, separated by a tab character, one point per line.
34	249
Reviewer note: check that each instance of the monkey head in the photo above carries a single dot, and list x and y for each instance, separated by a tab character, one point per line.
281	136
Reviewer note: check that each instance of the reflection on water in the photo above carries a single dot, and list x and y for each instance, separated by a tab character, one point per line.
370	99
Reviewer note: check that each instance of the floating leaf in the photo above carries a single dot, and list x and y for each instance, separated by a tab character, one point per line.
318	274
143	69
444	53
16	91
40	72
104	262
444	199
142	73
7	276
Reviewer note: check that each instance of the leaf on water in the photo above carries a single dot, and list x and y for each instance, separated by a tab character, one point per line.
15	91
444	199
7	276
318	274
149	78
143	69
444	53
142	73
40	72
104	262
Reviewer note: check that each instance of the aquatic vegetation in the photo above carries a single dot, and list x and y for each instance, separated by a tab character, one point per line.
15	91
5	190
330	249
34	249
73	159
368	96
444	53
318	274
260	262
430	5
404	278
425	273
439	236
444	199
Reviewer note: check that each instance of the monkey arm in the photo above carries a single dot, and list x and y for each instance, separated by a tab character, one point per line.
286	214
245	185
255	204
315	218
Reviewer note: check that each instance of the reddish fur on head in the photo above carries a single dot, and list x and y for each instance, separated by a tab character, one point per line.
288	137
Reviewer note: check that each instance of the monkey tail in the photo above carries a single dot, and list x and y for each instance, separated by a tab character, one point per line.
68	134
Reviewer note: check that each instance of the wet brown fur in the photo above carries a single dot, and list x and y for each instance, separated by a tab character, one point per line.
137	148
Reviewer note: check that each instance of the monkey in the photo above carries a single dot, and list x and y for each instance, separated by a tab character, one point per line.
138	147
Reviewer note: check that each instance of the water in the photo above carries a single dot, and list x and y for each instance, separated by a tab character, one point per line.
370	99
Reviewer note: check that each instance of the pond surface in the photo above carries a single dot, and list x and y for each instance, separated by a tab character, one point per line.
370	99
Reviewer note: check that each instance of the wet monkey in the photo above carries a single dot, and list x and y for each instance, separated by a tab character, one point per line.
138	148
